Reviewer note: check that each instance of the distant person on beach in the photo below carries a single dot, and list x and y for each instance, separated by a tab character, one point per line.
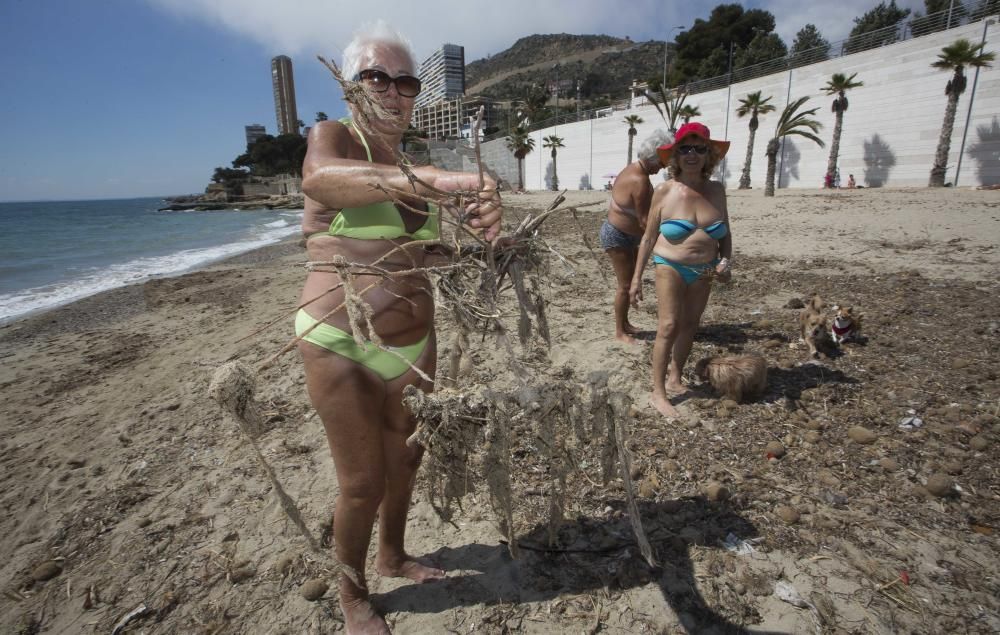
621	232
356	388
689	237
851	184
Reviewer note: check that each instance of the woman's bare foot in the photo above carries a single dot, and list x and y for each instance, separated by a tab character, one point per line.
663	405
626	338
409	568
675	389
360	617
630	330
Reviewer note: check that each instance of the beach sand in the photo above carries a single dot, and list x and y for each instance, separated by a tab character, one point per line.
124	485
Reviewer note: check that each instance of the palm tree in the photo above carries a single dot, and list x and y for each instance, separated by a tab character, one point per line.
631	120
553	142
687	112
838	85
672	101
790	123
521	144
321	116
954	57
752	105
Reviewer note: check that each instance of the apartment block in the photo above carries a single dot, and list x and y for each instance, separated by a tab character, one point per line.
453	119
283	84
253	132
442	76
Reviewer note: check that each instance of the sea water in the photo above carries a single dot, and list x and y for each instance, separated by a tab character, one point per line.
52	253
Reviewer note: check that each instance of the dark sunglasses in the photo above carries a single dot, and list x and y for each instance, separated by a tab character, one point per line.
686	150
378	81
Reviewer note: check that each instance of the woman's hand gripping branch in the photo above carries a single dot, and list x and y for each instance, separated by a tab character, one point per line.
484	212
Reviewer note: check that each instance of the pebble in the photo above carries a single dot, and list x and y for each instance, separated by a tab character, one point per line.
979	443
314	589
242	574
959	363
939	485
953	467
969	427
740	589
788	514
284	564
647	489
775	449
812	436
812	424
862	435
773	343
828	478
671	465
729	403
889	465
795	303
46	571
716	491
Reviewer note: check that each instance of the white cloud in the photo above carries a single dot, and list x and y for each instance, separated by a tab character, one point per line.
310	27
297	27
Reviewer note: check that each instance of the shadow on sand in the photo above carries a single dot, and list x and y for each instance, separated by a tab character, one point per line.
590	555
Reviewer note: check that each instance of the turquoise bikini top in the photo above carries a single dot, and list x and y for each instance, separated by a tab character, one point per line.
676	230
379	220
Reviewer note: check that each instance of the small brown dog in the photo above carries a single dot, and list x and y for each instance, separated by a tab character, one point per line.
813	324
846	326
738	378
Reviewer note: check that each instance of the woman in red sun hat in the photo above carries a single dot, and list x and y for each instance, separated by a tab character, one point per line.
688	234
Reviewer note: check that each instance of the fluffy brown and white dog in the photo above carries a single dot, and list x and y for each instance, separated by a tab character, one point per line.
739	378
846	326
813	323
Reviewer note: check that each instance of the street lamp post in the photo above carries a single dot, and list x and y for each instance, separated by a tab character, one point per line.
666	54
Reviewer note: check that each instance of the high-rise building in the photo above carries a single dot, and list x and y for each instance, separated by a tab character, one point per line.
284	95
442	76
254	131
453	119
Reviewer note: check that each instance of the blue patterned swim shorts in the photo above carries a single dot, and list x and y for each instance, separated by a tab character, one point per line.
614	238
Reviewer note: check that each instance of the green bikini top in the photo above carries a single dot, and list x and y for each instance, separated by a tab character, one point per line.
378	221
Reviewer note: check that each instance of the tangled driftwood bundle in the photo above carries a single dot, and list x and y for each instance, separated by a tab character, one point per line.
545	437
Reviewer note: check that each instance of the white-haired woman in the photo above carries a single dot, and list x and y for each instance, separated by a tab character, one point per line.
357	388
621	232
689	237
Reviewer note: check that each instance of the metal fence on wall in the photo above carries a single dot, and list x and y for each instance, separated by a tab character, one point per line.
904	30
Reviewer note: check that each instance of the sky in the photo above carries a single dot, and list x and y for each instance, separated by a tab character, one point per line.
130	98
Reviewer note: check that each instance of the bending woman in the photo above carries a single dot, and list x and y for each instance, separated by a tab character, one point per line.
689	236
621	232
357	388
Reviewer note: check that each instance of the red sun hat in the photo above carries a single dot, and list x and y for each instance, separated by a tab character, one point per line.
691	129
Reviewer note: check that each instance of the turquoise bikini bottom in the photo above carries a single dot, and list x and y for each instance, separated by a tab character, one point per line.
689	273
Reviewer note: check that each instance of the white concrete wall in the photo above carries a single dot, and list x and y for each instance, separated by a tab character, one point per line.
890	130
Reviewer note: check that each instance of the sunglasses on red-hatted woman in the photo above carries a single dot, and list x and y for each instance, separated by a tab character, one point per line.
688	149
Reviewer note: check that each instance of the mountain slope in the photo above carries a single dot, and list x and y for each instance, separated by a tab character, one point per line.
603	65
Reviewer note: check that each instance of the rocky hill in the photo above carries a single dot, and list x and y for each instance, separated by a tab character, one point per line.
605	66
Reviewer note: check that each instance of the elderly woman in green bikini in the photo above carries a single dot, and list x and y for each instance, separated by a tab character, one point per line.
357	388
689	237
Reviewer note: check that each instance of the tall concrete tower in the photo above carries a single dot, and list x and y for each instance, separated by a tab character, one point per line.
442	75
283	84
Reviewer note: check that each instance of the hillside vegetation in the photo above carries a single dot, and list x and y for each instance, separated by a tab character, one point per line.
605	67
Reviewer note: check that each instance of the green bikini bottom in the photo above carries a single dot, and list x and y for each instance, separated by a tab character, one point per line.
382	363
